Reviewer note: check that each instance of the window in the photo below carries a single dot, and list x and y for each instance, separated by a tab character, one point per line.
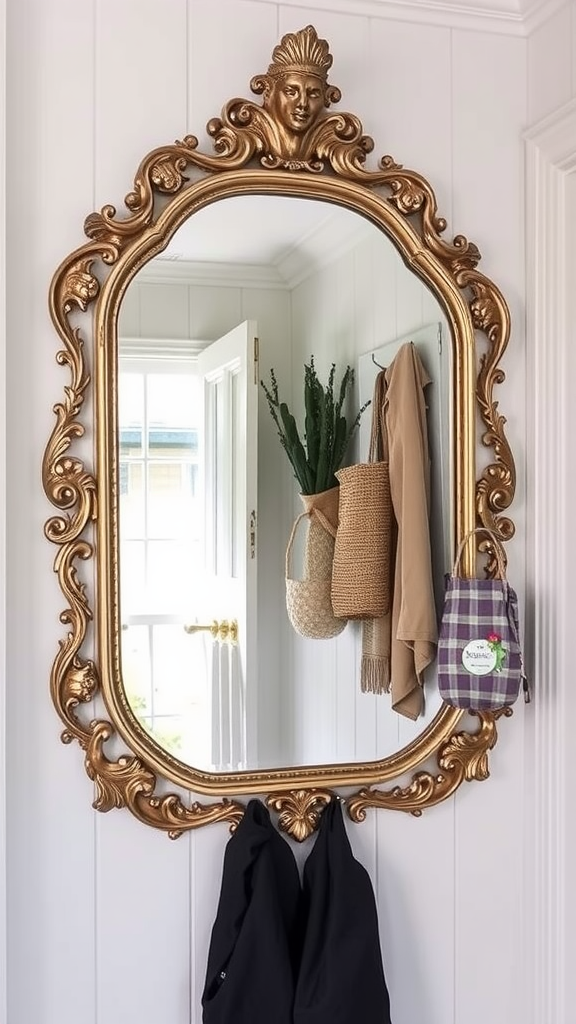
165	671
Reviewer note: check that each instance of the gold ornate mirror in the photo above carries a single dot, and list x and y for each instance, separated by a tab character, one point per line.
286	161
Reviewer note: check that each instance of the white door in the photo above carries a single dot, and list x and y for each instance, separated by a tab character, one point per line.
228	369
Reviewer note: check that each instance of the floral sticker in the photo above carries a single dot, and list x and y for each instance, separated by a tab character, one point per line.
497	646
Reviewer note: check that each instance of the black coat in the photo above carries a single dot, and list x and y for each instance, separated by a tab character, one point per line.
341	979
280	954
255	942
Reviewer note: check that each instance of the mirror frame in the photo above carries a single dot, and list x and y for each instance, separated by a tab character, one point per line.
256	152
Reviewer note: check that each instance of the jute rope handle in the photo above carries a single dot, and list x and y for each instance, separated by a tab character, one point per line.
323	521
498	551
291	543
321	518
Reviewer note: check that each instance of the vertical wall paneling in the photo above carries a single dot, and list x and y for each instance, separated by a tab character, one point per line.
3	764
551	177
50	830
487	153
144	903
573	51
140	85
218	67
489	212
92	88
165	311
551	82
409	97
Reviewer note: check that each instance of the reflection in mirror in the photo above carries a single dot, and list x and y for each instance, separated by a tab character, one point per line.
210	663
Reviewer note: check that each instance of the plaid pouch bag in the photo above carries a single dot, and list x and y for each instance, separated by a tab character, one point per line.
479	655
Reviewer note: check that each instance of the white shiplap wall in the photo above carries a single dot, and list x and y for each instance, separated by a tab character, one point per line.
551	269
108	922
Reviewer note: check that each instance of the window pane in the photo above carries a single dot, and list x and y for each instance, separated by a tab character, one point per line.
132	500
136	669
173	511
173	400
172	574
131	413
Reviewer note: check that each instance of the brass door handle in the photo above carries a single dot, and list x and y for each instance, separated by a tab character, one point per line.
225	631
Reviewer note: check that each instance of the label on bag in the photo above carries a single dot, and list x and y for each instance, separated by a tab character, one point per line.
479	657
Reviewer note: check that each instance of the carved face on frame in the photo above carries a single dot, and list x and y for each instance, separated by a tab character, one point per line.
296	100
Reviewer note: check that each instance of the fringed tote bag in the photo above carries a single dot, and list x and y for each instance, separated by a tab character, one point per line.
361	572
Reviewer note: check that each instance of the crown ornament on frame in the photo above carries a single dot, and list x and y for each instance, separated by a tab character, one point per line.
290	133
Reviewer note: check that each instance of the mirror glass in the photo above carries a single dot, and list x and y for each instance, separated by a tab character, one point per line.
210	663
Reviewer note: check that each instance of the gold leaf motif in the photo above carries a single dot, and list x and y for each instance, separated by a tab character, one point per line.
299	810
81	287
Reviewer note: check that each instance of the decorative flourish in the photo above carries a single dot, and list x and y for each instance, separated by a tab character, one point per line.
299	810
128	783
462	759
291	143
497	485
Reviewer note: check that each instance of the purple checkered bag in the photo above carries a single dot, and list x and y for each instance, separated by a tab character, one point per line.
479	655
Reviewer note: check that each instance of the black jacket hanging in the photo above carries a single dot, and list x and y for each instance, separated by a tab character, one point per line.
254	945
341	979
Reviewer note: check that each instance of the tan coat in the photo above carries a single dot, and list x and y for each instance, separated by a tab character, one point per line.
414	630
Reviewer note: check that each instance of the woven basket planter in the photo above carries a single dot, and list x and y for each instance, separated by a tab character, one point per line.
308	600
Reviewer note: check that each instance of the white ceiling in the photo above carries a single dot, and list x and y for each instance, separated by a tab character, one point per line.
248	229
258	230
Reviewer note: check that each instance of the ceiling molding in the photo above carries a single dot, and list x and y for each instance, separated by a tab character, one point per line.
215	275
539	12
318	249
176	350
505	17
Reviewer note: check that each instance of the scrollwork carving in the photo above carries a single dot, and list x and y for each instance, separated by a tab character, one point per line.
463	758
292	136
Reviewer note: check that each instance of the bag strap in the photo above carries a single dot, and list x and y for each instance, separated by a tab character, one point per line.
378	451
322	520
513	622
291	543
498	550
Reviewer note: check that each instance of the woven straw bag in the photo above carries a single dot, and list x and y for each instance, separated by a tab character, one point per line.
308	600
361	566
361	570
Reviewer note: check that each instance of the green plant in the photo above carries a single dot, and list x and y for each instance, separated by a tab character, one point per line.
317	456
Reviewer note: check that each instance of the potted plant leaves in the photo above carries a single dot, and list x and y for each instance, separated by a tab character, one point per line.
315	454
